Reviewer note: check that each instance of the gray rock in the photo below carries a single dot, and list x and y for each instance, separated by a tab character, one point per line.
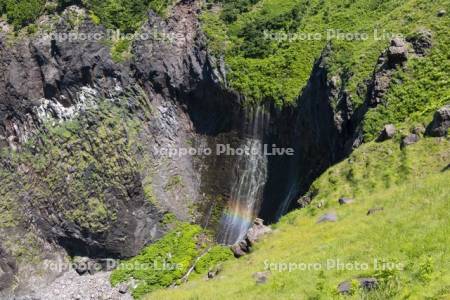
329	217
374	210
367	284
387	133
237	250
81	265
398	52
243	246
422	41
441	123
261	277
343	201
344	287
8	269
257	231
123	288
409	140
398	42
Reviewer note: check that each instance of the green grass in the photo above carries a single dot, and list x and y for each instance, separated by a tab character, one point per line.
162	263
278	70
413	230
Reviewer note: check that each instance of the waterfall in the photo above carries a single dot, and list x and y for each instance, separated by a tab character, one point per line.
248	184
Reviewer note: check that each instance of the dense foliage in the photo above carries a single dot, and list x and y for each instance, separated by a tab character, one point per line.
21	12
126	15
162	263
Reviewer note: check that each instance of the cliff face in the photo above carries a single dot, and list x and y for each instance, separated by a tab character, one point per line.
79	133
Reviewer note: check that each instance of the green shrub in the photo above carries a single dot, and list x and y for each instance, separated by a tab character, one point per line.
121	51
22	12
215	256
162	263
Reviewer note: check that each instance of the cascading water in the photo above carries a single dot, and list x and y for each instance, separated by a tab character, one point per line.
248	185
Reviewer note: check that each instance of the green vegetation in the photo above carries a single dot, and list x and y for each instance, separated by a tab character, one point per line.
81	166
162	263
270	56
215	256
126	15
412	232
121	50
21	12
174	182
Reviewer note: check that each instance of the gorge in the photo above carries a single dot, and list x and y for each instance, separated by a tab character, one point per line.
86	138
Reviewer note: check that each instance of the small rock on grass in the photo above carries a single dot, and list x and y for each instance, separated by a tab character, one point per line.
374	210
409	140
261	277
329	217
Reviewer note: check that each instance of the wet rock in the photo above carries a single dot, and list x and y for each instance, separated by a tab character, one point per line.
261	277
343	201
243	247
374	210
421	41
387	133
441	123
257	231
329	217
409	140
237	250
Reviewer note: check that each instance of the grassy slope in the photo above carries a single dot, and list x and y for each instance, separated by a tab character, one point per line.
413	229
281	75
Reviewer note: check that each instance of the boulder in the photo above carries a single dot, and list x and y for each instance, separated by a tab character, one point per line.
243	246
329	217
409	140
261	277
257	231
123	288
398	52
387	133
421	41
345	287
237	250
343	201
441	122
367	284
